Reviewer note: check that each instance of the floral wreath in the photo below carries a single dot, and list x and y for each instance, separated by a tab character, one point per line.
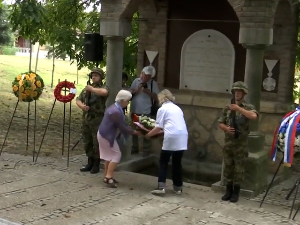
65	98
28	86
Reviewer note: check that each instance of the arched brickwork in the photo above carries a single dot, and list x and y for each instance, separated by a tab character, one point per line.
122	9
255	13
251	13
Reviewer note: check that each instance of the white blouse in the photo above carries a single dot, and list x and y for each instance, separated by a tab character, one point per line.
171	119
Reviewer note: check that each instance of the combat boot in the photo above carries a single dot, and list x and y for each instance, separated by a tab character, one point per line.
88	166
228	194
236	193
96	166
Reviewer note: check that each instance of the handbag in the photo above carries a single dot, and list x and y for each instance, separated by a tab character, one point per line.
154	107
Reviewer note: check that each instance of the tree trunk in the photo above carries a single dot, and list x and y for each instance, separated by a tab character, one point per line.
30	55
37	58
53	66
77	74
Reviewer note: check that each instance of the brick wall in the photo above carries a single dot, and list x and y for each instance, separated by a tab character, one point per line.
284	49
153	34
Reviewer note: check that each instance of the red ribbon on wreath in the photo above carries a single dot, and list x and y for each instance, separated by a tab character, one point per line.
65	98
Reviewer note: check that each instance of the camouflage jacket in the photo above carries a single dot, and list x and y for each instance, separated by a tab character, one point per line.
96	103
241	121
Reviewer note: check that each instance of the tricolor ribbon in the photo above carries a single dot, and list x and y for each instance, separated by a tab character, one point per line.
289	121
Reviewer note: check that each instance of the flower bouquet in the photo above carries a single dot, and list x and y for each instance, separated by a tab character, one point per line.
144	123
282	134
287	137
28	86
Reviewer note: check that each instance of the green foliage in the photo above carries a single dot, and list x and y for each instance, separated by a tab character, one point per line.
27	18
62	24
5	31
296	92
131	49
8	50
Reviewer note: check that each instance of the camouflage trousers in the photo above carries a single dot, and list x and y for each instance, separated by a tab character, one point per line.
234	154
89	137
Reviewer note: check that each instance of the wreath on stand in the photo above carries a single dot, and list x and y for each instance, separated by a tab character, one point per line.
28	86
65	85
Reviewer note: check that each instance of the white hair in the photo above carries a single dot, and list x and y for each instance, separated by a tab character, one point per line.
123	95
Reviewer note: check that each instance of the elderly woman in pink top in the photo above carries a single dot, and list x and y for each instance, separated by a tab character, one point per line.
113	126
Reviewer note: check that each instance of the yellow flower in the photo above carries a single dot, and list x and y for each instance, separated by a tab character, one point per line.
32	75
38	83
23	96
33	86
15	88
19	77
27	92
34	94
26	77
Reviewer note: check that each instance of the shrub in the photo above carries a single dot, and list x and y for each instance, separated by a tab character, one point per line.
6	50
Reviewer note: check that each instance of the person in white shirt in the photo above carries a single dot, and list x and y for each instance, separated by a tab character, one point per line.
170	119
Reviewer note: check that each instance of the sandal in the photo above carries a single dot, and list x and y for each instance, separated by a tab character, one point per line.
105	180
111	182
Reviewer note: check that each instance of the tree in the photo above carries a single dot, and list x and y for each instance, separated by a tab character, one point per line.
5	31
62	24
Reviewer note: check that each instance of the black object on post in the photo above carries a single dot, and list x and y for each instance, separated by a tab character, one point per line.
93	47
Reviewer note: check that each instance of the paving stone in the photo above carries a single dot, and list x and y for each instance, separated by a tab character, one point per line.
48	193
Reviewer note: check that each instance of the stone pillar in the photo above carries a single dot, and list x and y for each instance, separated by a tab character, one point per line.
253	79
114	67
115	30
255	40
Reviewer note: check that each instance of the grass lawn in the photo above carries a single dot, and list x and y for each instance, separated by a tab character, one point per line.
10	67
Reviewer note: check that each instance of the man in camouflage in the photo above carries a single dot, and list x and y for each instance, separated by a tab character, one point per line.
92	102
235	148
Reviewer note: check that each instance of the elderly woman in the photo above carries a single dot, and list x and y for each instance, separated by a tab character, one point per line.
170	119
111	128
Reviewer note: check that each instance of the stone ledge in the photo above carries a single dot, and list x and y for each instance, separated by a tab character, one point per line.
215	100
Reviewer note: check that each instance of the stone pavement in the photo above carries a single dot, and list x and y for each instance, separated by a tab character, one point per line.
48	193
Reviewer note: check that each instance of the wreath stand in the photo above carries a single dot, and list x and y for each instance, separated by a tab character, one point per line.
289	122
64	86
295	187
27	128
28	117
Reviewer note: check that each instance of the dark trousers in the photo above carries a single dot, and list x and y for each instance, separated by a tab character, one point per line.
176	168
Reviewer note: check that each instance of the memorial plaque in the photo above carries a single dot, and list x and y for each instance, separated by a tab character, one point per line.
207	62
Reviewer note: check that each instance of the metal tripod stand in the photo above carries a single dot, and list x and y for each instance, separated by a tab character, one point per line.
296	186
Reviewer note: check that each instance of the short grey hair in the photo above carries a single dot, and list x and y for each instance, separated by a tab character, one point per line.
123	95
165	96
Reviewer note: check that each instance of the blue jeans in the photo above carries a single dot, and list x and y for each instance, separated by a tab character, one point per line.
176	168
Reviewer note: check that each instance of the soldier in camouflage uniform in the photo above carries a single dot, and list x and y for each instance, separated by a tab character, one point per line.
92	102
235	147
